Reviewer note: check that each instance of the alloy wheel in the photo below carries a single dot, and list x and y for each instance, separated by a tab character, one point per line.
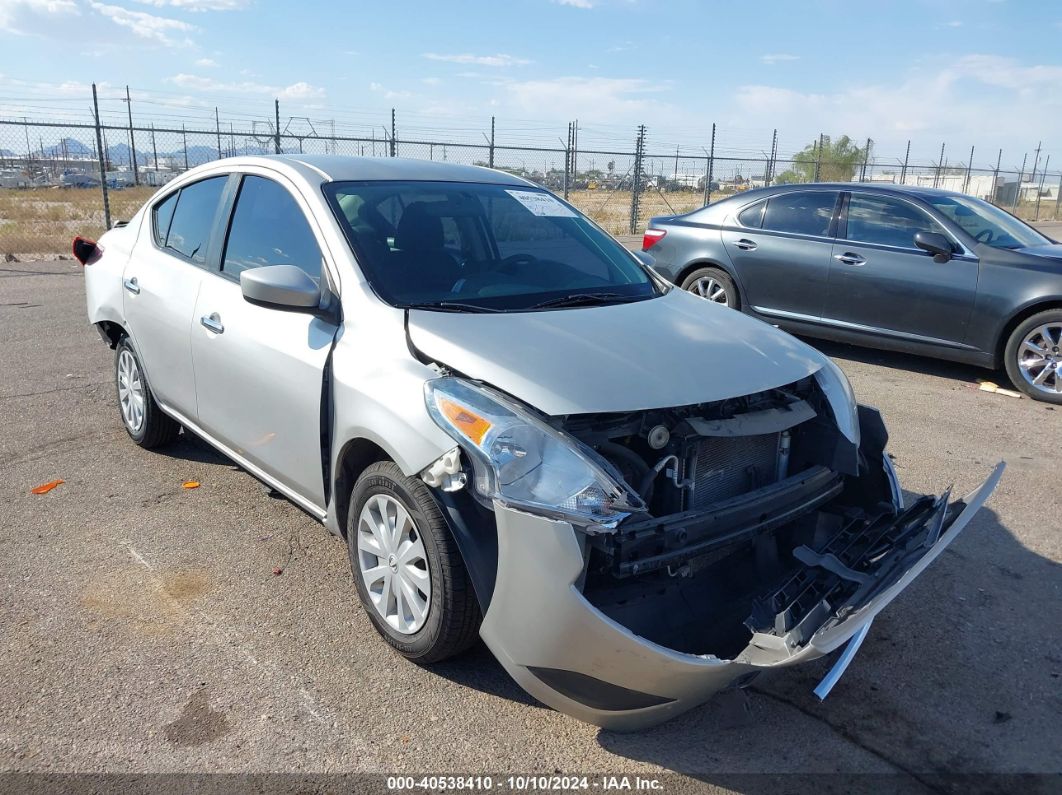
710	289
131	394
393	564
1040	358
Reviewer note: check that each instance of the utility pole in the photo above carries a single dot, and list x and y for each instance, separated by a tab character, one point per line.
154	149
1036	160
769	176
567	159
995	178
575	151
906	158
276	115
132	142
102	159
394	150
969	167
184	145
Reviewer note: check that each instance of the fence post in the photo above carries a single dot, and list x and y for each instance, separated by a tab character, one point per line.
636	182
491	162
818	158
154	149
567	159
184	145
940	164
276	114
969	166
866	159
1017	188
217	129
772	165
1043	178
394	149
102	159
708	171
1058	197
132	141
906	158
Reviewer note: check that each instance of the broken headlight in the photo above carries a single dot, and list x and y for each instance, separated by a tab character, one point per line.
522	461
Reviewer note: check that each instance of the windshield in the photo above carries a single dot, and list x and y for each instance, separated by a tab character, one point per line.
460	246
987	223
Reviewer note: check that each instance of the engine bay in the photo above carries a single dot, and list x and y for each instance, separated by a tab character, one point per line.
763	519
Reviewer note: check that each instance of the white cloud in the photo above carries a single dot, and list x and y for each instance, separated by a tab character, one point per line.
576	3
147	26
24	16
198	5
772	58
612	99
955	23
942	100
206	63
296	92
500	59
379	88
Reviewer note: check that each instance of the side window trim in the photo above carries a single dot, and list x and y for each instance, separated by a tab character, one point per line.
842	232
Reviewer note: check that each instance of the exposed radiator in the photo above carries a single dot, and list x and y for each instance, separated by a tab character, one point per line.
726	466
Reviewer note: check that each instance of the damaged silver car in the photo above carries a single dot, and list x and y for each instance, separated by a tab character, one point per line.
636	498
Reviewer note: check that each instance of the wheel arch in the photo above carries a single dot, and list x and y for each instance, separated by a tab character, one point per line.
111	332
355	457
705	262
1019	317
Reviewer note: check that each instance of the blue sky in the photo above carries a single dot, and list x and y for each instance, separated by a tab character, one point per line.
969	72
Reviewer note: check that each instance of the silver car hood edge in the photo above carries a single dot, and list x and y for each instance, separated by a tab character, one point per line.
675	350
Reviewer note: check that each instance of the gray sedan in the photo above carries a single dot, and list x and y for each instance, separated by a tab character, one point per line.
911	269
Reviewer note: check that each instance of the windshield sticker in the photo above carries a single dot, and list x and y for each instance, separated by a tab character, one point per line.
541	204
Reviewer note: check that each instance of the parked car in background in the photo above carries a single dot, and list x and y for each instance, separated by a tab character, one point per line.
635	497
911	269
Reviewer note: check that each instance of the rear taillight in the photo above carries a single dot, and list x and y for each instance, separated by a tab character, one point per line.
85	251
651	238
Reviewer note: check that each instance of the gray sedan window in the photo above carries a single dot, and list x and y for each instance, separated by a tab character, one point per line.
801	212
886	221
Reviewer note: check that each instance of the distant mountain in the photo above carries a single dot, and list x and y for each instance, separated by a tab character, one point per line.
69	147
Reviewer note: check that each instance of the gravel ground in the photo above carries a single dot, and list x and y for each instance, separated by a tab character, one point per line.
144	629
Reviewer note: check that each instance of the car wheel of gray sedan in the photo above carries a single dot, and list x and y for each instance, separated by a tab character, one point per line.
145	422
713	284
410	576
1034	356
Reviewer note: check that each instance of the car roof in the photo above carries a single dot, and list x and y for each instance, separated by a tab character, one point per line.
883	187
339	168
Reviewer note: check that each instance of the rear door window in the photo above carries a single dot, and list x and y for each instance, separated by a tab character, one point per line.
193	218
269	228
801	212
886	221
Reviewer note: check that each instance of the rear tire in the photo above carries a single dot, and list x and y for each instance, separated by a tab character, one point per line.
144	421
713	284
394	567
1034	354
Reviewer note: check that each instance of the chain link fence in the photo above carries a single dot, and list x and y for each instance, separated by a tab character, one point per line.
59	179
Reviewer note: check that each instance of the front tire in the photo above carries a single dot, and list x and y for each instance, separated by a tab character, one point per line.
713	284
408	571
144	421
1033	356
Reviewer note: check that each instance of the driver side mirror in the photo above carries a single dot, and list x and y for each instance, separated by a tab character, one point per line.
936	244
281	286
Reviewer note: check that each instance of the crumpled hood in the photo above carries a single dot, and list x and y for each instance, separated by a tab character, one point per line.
676	350
1051	251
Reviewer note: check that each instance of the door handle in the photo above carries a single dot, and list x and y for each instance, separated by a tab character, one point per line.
848	258
132	286
212	323
745	244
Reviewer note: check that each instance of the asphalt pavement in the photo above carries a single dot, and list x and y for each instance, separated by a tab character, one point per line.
146	627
